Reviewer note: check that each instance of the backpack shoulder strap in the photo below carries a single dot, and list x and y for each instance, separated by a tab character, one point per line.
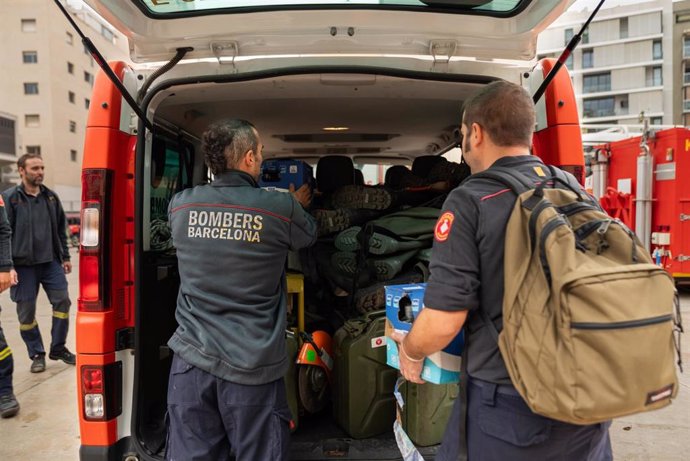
514	180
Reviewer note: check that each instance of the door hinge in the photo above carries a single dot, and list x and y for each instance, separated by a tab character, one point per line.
442	51
224	51
124	339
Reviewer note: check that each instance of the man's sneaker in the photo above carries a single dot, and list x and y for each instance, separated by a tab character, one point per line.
64	355
8	406
38	364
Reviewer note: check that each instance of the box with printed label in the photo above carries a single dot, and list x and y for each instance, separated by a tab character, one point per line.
403	304
280	173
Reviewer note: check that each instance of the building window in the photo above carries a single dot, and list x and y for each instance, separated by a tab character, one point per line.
686	47
88	78
28	25
107	34
87	103
686	76
656	121
69	38
31	88
596	83
32	120
624	27
657	52
70	68
683	17
568	35
653	76
587	59
36	150
585	36
73	155
29	57
70	96
599	107
72	126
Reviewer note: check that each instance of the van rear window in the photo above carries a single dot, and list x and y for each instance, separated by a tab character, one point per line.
177	7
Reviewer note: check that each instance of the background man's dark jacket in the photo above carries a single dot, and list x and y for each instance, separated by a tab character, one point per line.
18	213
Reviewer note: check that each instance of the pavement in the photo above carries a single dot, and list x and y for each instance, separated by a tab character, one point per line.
47	424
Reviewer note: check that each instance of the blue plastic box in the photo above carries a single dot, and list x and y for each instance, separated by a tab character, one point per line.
279	174
442	367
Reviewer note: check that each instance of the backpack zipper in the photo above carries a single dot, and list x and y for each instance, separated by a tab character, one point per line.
620	325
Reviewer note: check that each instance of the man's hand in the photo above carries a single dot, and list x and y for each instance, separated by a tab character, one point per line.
14	278
67	266
410	367
303	194
5	281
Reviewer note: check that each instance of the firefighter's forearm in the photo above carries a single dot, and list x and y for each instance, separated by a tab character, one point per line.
432	331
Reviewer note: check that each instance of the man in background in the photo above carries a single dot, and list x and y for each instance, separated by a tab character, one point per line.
41	258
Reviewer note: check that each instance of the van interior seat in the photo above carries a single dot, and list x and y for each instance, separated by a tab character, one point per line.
359	177
333	172
422	165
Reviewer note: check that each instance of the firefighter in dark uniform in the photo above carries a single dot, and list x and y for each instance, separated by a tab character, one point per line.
41	257
8	403
226	389
467	275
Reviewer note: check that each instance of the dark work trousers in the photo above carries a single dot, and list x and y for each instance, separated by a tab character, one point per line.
52	277
209	417
500	426
6	365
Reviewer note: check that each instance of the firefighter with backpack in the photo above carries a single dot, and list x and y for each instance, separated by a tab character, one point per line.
555	297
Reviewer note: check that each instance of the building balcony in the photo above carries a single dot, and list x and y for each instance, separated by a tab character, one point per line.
686	79
686	105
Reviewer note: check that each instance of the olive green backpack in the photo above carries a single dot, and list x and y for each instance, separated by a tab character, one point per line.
588	320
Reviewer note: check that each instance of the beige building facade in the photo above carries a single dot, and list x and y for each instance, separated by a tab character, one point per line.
681	61
45	88
625	63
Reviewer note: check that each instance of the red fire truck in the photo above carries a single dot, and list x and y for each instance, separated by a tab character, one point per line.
641	181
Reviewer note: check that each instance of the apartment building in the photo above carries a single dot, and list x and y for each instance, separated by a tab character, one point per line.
624	64
681	61
45	88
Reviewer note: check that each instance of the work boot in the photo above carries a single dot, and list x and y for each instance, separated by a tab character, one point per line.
38	363
384	268
362	197
373	297
379	244
64	355
330	221
8	405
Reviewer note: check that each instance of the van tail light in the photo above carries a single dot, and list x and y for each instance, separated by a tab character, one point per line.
101	389
93	255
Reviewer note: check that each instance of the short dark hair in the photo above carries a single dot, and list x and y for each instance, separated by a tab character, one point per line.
505	110
225	142
21	162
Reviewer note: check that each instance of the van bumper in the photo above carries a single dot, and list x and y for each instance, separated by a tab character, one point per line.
116	452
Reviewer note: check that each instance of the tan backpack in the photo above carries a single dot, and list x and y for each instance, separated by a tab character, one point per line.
588	320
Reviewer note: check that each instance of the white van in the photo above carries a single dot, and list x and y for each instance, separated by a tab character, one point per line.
381	82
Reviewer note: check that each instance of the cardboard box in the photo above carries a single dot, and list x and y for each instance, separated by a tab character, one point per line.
279	174
403	304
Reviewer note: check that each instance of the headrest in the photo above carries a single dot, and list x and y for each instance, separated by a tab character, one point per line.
333	172
421	166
